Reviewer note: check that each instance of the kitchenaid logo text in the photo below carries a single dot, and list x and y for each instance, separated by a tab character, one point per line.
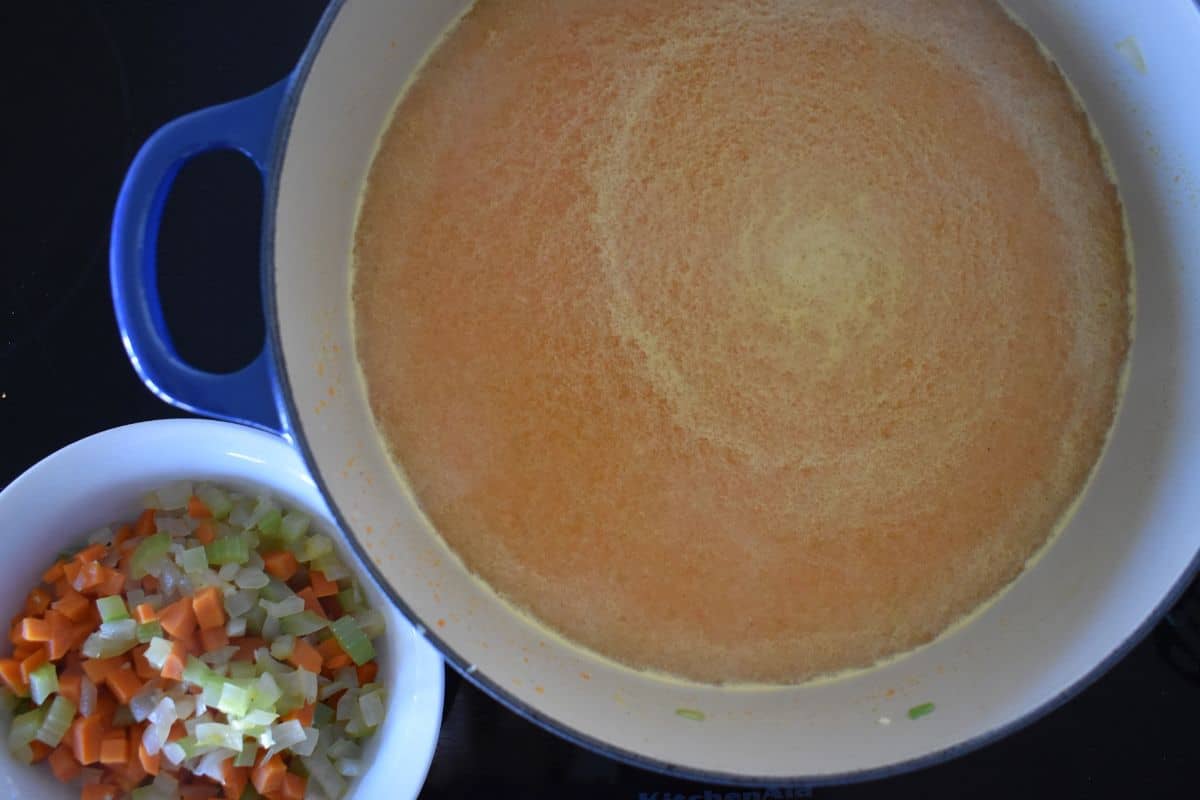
710	794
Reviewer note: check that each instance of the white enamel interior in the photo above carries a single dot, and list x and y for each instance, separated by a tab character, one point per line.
1131	541
103	478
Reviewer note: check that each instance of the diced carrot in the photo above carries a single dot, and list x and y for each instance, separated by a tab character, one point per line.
205	532
310	601
124	533
106	707
124	684
69	684
35	630
178	619
141	667
280	564
191	642
329	648
25	650
32	662
213	639
86	736
90	576
246	646
36	602
79	633
322	586
113	582
210	612
267	775
149	762
304	714
197	509
53	574
174	662
293	787
333	609
177	732
198	791
63	764
93	552
145	524
127	774
72	605
150	584
10	674
62	634
98	669
71	571
15	635
99	791
41	751
306	656
234	779
114	747
338	662
145	613
368	672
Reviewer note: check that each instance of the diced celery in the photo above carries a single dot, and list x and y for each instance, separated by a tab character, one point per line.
227	550
371	622
217	500
43	682
234	700
276	591
270	523
313	547
322	715
331	567
352	639
197	672
304	623
23	730
293	525
284	608
193	560
147	631
112	608
58	718
350	599
112	639
283	646
153	549
240	670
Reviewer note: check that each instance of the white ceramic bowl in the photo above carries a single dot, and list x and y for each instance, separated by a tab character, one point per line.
101	479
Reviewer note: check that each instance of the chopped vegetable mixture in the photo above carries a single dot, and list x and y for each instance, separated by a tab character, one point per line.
214	647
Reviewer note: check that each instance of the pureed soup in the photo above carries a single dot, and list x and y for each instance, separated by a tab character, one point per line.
747	341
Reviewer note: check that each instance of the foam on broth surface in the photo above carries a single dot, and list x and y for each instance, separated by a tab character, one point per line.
742	340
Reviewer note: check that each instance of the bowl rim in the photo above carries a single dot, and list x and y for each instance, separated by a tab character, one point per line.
399	628
475	672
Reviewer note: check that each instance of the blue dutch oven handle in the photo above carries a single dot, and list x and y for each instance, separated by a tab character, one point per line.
249	395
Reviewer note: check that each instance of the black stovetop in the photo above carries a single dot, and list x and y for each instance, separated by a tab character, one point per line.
86	84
